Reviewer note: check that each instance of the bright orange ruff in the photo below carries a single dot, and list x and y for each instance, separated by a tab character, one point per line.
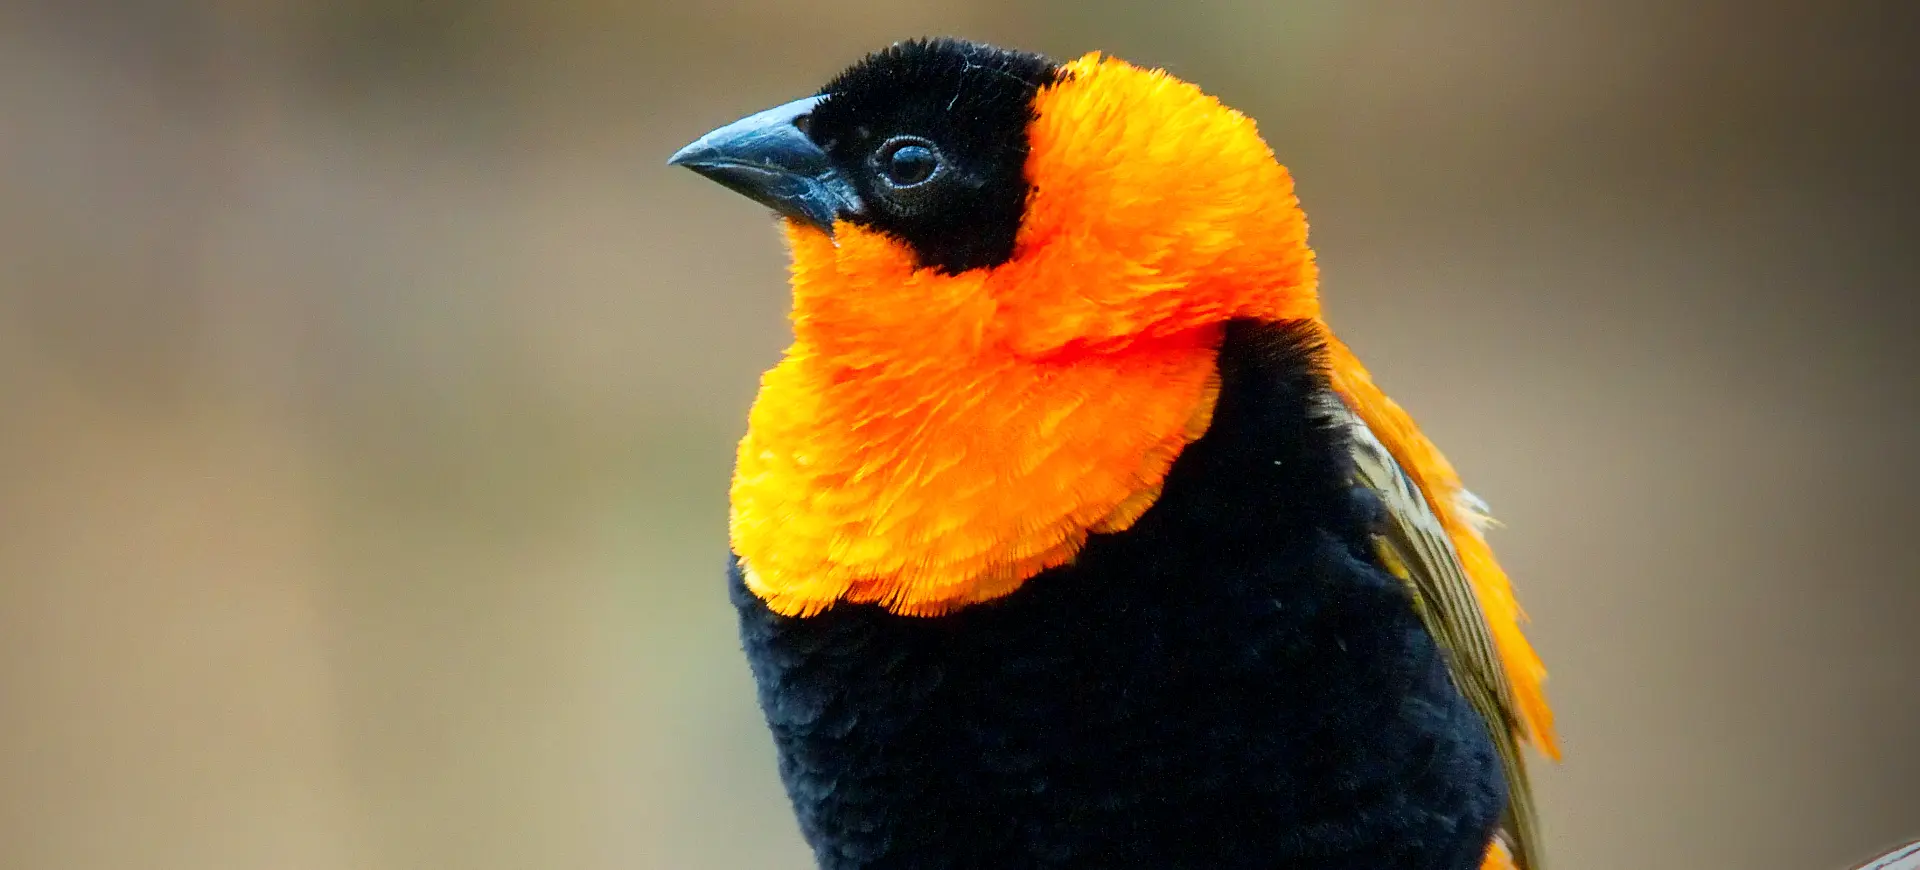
931	441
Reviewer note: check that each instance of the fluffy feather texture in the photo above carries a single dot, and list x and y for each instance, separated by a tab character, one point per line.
900	454
1231	683
975	102
952	421
930	440
933	439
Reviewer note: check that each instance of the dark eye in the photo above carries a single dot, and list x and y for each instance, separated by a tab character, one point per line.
907	161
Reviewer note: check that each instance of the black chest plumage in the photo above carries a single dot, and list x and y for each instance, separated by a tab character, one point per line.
1231	683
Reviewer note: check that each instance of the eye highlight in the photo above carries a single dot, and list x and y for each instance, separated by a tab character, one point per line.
908	161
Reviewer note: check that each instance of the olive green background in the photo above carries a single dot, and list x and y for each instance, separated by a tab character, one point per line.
368	387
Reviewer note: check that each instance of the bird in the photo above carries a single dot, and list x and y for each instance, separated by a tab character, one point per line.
1066	533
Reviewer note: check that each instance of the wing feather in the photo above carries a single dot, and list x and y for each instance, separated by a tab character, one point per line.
1413	544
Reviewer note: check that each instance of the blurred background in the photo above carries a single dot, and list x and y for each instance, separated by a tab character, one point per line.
368	387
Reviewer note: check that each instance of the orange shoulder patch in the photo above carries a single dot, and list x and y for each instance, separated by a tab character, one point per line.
1441	485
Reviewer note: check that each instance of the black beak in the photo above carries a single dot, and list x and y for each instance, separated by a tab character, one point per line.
769	158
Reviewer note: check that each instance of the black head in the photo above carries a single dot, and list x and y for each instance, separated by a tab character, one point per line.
925	141
933	136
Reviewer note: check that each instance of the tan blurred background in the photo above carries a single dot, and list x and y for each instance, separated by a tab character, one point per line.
367	391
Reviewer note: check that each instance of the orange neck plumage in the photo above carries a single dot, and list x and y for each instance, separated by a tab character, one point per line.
933	440
932	469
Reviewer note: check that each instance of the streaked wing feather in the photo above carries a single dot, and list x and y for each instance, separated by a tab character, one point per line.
1415	546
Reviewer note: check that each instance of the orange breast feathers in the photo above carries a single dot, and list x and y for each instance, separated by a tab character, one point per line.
932	440
923	464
